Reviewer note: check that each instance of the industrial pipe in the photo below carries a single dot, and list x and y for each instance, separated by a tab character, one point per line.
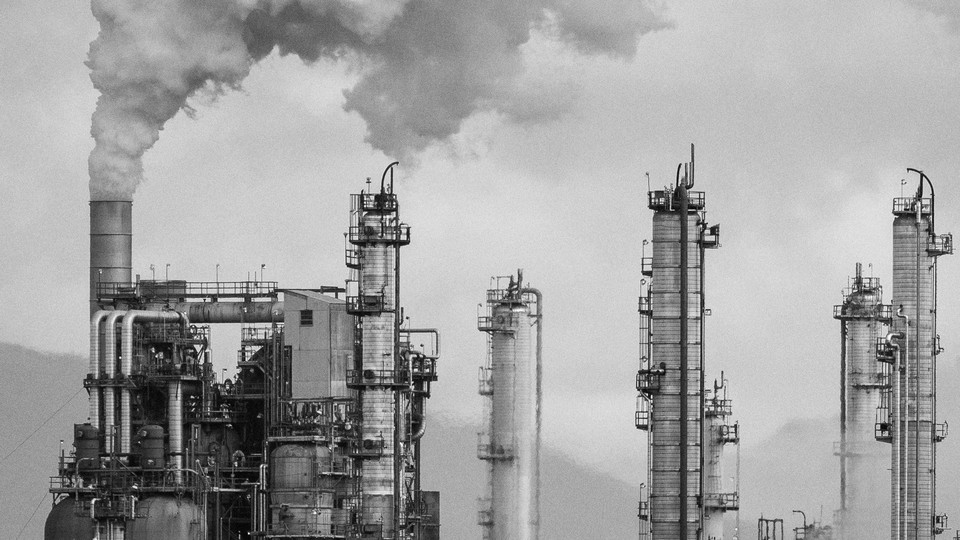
175	428
110	371
230	312
539	359
95	321
111	241
126	366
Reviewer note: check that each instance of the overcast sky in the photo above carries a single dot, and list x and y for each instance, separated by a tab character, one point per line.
805	116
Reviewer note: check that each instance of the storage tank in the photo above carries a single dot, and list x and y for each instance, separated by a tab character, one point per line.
300	503
65	523
169	518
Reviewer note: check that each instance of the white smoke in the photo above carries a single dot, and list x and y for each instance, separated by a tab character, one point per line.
427	65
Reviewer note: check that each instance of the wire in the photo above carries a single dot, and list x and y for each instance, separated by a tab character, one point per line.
34	432
31	515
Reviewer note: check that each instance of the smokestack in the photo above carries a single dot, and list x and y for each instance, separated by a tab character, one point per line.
111	244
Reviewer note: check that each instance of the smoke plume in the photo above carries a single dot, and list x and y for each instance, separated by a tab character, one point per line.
426	65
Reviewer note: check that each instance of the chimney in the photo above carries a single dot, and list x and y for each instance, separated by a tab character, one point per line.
111	244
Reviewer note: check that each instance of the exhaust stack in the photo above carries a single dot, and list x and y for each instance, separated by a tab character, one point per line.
111	245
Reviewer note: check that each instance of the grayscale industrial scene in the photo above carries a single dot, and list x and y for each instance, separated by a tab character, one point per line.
444	269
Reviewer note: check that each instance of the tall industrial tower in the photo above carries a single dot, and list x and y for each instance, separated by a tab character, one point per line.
392	378
914	430
863	319
718	432
511	442
670	379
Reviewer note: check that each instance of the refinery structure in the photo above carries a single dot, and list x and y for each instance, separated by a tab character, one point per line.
317	436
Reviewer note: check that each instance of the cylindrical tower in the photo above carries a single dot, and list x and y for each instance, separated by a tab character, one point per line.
718	496
676	410
863	319
111	244
511	443
916	247
378	234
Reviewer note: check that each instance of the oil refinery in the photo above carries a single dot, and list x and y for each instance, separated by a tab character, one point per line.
318	435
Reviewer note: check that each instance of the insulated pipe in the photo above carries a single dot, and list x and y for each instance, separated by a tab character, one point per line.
175	428
896	427
126	367
110	371
111	241
230	312
95	321
539	359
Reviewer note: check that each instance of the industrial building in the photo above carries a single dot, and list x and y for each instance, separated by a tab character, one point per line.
318	434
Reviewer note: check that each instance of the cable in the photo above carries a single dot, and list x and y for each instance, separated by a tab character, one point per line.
31	515
24	441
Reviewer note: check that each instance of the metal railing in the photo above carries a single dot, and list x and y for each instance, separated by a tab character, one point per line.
365	304
366	448
646	266
487	450
374	202
645	307
882	312
665	200
187	289
648	380
729	433
907	205
717	407
940	245
722	501
485	381
484	511
384	234
940	431
358	378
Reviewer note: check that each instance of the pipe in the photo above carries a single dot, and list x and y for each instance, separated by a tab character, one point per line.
111	241
539	316
900	426
684	352
230	312
126	366
95	325
110	371
175	428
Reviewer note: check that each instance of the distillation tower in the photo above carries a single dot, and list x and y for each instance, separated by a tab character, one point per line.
313	438
510	444
718	432
912	425
670	378
863	382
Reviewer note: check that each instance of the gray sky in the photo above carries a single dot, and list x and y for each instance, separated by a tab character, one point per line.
805	116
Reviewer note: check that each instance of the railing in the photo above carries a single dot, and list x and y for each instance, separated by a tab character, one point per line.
374	202
717	407
646	266
423	368
366	449
384	234
352	258
882	312
940	523
321	528
648	380
886	352
642	419
643	510
665	200
907	205
490	451
881	429
484	512
259	334
187	289
485	381
940	431
940	245
722	501
358	378
644	306
365	304
710	237
729	433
